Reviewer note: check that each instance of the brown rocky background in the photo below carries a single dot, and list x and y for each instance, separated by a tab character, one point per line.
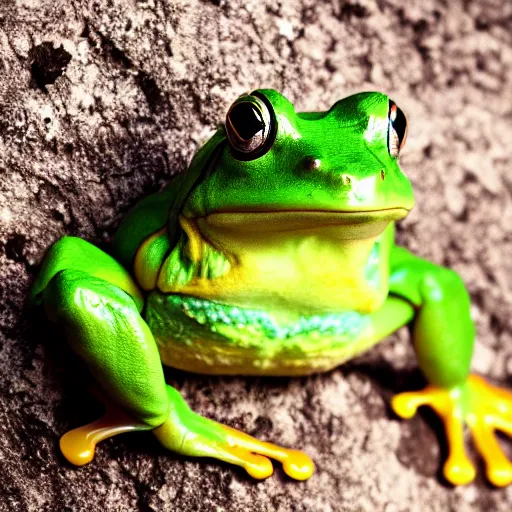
101	101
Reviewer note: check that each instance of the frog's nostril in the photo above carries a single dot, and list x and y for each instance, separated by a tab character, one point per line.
346	180
311	163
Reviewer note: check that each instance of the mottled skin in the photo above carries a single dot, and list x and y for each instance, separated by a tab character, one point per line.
273	254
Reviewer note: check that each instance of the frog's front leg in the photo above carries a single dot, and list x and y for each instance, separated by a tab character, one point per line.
97	304
443	336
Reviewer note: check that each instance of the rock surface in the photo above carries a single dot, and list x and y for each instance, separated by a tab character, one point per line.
102	101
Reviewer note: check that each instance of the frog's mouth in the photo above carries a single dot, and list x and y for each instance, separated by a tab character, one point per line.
341	224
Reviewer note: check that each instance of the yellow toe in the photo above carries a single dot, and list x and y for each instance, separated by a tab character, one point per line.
298	465
259	467
77	447
500	475
405	405
459	471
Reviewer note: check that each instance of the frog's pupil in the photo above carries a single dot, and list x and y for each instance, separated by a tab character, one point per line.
246	120
400	124
398	121
397	129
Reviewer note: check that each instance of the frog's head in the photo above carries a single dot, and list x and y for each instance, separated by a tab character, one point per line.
343	161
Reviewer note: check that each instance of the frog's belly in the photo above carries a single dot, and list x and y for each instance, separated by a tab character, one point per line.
206	337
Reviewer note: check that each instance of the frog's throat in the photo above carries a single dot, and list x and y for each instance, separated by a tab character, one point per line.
345	225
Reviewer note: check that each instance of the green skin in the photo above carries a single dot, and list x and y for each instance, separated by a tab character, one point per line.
324	197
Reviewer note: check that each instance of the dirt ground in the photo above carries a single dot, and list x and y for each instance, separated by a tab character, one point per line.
102	101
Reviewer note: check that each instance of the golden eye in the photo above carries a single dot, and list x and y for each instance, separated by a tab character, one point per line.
397	129
250	126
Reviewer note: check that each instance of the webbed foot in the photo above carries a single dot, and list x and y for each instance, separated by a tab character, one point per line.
481	406
190	434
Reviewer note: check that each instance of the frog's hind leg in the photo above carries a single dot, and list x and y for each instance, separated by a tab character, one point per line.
190	434
104	327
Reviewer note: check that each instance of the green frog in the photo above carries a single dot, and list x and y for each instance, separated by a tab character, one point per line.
273	254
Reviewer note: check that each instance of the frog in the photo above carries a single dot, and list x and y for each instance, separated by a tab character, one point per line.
272	255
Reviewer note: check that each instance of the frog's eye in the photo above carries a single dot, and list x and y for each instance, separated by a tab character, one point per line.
397	129
250	126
